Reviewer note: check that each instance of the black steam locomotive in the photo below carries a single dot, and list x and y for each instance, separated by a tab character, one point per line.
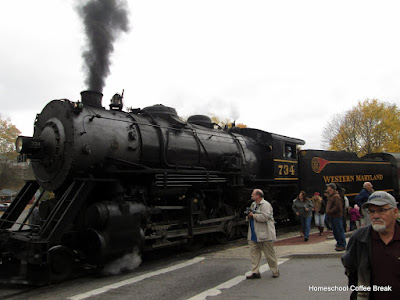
146	179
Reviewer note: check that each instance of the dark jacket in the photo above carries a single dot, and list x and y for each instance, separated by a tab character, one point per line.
300	206
334	206
362	197
357	260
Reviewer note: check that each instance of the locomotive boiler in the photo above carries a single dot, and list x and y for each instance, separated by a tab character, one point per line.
141	179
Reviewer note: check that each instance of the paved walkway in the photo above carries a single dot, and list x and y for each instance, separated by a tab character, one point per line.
305	268
291	246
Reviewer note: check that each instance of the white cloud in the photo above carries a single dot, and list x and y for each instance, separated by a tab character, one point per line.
281	66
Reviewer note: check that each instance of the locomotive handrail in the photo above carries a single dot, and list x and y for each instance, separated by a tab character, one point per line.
18	205
161	137
177	171
20	223
243	154
31	209
150	169
95	179
67	206
155	125
209	221
163	144
187	179
199	143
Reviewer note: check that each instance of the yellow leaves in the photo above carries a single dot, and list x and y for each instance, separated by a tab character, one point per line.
241	125
8	135
226	122
371	126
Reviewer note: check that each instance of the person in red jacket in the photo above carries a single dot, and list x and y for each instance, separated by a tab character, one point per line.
354	217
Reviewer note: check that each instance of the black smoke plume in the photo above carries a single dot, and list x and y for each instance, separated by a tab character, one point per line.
103	20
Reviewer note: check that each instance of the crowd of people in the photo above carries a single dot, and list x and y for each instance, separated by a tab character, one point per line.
372	258
328	211
332	210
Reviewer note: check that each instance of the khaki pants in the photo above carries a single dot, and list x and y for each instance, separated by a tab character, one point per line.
269	252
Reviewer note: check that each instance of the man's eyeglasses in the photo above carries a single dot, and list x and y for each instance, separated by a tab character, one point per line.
379	211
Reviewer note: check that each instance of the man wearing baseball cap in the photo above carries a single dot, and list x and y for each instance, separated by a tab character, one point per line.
372	258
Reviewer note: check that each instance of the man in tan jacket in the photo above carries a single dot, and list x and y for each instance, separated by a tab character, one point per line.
261	235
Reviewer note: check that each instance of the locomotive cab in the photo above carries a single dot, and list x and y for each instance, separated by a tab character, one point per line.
285	158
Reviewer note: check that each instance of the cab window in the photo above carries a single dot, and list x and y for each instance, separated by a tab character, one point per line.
289	151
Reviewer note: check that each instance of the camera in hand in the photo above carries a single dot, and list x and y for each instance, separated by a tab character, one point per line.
247	211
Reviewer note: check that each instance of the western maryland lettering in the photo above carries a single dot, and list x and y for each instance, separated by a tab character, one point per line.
352	178
350	173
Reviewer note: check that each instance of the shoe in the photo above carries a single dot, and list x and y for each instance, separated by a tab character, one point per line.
306	239
275	275
340	248
254	276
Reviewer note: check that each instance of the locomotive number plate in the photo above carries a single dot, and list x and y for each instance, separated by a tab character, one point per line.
285	170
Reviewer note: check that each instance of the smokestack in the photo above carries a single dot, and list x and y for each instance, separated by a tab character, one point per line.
103	20
91	98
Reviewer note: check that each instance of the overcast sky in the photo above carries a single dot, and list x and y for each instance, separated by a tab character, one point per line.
281	66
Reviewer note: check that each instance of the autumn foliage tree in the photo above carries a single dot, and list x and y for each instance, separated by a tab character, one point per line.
9	175
226	122
369	127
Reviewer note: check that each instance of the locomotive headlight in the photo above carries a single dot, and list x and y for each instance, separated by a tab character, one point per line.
18	144
28	145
